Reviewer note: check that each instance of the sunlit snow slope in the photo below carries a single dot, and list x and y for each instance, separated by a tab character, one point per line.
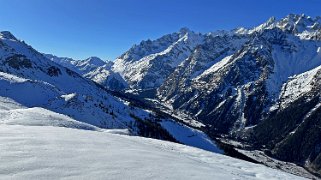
47	90
40	144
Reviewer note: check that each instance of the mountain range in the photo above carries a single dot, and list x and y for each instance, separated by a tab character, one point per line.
250	89
259	86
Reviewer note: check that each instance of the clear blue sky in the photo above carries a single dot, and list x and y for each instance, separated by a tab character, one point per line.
107	28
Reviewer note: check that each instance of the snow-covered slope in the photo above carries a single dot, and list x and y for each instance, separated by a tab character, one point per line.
42	87
296	87
79	66
190	136
106	77
34	81
94	69
13	113
53	153
70	95
148	64
40	144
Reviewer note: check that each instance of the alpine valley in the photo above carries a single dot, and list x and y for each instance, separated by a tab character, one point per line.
250	93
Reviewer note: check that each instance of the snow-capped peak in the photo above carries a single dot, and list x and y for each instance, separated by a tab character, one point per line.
7	35
300	25
95	61
296	23
153	60
270	23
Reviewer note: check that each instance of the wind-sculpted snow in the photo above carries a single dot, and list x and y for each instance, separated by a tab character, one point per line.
29	152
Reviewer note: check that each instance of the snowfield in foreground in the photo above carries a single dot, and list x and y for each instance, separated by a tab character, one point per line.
36	143
44	152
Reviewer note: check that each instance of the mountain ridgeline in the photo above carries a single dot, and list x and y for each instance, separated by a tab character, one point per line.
58	89
259	86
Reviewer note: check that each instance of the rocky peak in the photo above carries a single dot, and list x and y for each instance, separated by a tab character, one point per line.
185	31
298	23
293	23
268	24
7	35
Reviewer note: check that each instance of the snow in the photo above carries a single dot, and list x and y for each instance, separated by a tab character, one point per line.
29	152
38	98
267	25
240	100
297	86
93	68
274	163
63	92
95	61
220	64
68	97
22	89
301	25
16	114
79	66
149	64
98	76
79	105
290	63
241	30
36	123
40	144
105	76
44	100
189	136
11	78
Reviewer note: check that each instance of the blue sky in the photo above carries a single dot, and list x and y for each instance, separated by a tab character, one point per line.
107	28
